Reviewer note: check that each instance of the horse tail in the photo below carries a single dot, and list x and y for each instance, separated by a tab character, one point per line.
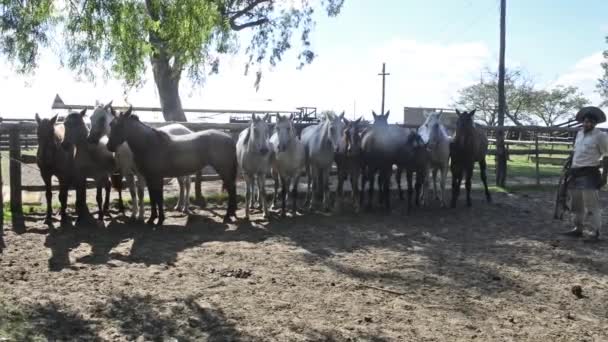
116	180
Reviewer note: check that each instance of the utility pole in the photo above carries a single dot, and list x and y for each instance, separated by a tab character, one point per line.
383	74
501	153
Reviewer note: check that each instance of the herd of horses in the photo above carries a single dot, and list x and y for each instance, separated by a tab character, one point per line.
118	143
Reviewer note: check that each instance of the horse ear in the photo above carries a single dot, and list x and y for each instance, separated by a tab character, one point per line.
374	114
113	112
128	112
458	112
342	115
53	119
267	117
37	118
346	121
472	113
83	112
291	116
387	114
108	105
358	120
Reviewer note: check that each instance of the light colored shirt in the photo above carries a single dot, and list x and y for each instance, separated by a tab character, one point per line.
590	148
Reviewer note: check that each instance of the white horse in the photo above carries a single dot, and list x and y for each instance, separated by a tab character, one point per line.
100	127
435	135
288	162
321	141
253	155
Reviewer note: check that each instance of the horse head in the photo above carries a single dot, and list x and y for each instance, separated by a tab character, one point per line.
100	122
352	137
465	125
118	128
334	125
76	131
45	131
381	120
285	131
257	137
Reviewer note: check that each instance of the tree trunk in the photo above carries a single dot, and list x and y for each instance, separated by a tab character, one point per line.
167	83
501	153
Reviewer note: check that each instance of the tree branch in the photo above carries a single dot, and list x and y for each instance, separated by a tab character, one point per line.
246	10
237	27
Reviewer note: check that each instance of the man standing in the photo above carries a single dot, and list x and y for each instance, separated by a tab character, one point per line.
585	180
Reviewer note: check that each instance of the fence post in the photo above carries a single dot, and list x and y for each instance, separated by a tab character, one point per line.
2	244
15	170
537	159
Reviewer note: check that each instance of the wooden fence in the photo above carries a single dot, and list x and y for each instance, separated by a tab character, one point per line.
20	135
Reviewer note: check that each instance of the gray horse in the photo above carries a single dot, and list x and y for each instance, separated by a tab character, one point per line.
90	161
158	155
321	141
288	162
254	155
100	126
434	133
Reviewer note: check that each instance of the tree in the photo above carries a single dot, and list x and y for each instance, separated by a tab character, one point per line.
175	36
602	84
552	106
484	96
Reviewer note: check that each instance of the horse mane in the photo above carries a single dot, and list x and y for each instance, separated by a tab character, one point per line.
162	136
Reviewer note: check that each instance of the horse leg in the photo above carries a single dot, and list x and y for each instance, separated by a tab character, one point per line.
152	191
363	181
398	179
444	176
261	178
49	198
308	185
482	171
116	180
275	197
141	185
187	184
370	192
408	175
456	182
106	204
386	187
180	200
340	187
314	179
84	215
326	190
99	199
467	183
130	180
434	175
294	192
63	199
419	188
249	186
354	183
284	189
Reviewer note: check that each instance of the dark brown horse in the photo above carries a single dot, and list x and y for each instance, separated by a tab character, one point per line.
52	161
158	154
469	145
415	159
90	161
348	160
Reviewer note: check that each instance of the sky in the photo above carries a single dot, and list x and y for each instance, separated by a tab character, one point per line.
431	48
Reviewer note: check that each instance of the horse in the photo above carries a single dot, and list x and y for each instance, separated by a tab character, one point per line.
348	160
253	156
100	126
52	160
321	141
90	161
415	159
380	147
434	133
288	162
469	145
158	154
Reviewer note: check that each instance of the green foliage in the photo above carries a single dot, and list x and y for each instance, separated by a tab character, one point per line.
602	84
484	96
189	35
555	105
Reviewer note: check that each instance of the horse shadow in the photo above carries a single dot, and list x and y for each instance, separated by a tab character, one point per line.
148	245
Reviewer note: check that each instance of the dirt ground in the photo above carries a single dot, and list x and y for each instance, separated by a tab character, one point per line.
495	272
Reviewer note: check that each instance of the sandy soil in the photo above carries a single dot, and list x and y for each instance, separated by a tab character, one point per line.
495	272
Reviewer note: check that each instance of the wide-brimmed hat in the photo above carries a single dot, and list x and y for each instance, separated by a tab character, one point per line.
593	111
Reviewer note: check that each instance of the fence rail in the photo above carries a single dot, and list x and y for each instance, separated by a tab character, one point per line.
18	135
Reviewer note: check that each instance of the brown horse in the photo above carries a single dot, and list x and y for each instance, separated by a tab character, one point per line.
348	160
414	158
158	154
90	161
52	161
469	145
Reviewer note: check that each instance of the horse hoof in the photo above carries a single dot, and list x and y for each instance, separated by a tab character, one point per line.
150	221
48	220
